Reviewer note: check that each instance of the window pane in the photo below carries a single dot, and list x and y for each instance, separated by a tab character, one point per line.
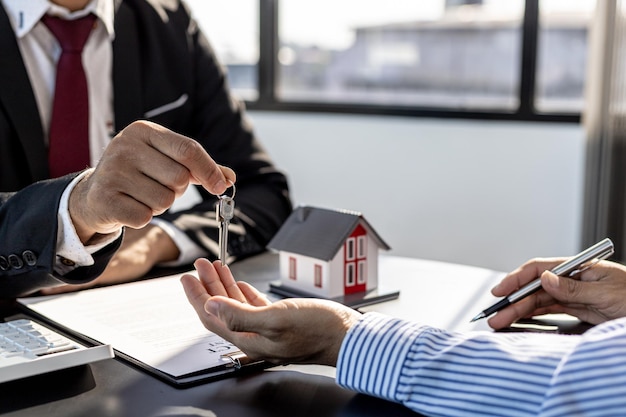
349	275
562	54
292	268
350	249
233	30
436	53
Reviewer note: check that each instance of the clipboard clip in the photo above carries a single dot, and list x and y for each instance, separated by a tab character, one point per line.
235	359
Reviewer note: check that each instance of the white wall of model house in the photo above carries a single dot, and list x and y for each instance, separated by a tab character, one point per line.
333	271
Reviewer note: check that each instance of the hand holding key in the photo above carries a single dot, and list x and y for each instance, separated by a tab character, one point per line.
142	171
225	211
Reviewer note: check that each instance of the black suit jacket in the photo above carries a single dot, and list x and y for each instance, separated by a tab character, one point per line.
159	57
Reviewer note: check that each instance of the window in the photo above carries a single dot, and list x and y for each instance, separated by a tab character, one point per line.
362	275
292	269
361	247
403	52
350	249
233	30
477	59
318	276
350	275
562	54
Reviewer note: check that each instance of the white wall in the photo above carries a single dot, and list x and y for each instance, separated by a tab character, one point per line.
484	193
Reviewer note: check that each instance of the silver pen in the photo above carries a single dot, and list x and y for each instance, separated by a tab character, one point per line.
584	260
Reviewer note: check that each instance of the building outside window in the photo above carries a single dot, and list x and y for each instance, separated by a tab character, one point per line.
401	52
562	54
452	55
233	29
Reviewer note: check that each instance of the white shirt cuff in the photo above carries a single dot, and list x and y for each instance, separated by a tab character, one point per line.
71	253
188	250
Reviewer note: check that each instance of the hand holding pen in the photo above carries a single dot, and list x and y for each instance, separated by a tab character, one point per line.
594	295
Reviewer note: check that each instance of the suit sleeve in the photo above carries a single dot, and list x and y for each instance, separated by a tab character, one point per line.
28	233
218	122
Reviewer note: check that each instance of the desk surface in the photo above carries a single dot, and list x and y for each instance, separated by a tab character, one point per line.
115	388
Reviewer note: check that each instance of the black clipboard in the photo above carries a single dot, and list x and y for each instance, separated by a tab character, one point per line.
242	365
235	363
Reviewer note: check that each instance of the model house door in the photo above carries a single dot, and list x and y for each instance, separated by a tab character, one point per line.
355	261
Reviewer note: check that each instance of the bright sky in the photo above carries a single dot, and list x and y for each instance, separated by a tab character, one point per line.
232	25
330	23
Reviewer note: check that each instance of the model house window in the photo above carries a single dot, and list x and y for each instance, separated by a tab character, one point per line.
318	276
292	268
350	249
349	275
361	250
362	275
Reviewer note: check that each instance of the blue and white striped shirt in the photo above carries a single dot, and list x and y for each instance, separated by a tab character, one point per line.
441	373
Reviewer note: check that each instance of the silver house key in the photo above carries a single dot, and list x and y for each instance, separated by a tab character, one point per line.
225	211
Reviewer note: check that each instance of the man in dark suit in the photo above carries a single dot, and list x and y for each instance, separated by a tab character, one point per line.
143	61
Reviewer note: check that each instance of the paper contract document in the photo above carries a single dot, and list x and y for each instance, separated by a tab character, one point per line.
149	322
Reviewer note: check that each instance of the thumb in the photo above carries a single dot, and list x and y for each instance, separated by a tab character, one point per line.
563	289
236	316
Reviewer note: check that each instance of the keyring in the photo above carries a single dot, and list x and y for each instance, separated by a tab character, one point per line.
232	185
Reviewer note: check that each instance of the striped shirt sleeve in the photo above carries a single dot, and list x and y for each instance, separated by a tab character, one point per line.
441	373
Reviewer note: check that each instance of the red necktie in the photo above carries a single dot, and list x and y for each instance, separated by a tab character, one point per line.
68	149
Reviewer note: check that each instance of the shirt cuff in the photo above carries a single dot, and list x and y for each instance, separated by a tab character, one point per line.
71	253
373	354
188	250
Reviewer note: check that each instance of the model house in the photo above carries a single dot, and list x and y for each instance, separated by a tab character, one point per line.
327	253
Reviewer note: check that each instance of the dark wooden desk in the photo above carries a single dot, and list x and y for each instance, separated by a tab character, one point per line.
441	294
115	388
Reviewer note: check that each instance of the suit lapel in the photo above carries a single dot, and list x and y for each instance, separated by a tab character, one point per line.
127	97
18	100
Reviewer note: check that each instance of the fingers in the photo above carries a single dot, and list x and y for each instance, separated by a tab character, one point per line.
523	275
559	295
192	156
219	314
594	296
526	307
228	173
195	292
568	290
218	280
237	317
142	171
254	296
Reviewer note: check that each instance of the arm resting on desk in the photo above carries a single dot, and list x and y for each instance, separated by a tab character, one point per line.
432	371
436	372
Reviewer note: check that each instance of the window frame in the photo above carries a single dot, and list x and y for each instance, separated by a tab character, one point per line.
293	268
268	72
361	275
317	275
361	247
